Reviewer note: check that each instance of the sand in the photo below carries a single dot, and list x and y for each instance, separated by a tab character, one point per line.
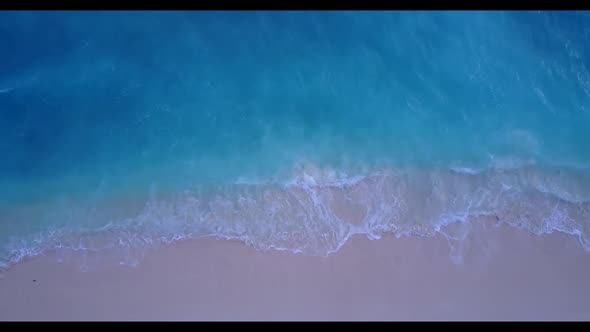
505	274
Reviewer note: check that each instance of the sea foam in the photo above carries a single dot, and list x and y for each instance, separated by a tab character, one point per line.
318	210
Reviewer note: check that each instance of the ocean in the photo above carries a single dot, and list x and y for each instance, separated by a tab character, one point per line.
288	130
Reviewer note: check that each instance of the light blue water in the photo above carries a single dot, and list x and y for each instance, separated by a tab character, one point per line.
103	107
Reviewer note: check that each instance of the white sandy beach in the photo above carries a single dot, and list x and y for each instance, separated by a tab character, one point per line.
506	274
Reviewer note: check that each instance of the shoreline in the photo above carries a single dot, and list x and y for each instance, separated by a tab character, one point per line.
506	274
314	214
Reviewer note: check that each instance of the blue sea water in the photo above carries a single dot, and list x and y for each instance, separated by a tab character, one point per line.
261	126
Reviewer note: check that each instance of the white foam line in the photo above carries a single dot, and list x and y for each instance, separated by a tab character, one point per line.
372	227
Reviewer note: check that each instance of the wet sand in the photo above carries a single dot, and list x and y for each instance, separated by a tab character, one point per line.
505	274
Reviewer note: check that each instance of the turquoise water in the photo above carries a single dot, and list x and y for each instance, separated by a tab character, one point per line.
155	107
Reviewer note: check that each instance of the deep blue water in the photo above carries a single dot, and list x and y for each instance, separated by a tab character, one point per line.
99	104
